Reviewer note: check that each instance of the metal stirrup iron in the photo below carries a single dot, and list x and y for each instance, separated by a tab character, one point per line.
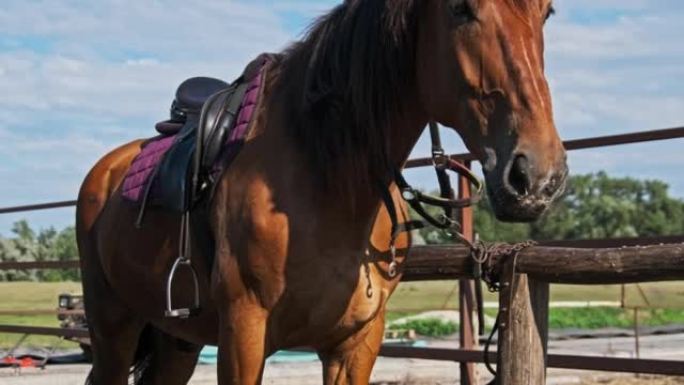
183	261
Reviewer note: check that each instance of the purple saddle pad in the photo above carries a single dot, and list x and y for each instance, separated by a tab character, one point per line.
141	172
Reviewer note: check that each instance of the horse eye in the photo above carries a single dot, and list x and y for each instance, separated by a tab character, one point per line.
549	13
461	11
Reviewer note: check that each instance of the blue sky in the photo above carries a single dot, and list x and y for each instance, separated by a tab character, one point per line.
78	78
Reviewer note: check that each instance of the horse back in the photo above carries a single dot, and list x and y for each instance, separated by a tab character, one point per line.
101	183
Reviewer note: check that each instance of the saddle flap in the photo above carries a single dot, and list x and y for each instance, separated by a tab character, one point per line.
173	190
218	118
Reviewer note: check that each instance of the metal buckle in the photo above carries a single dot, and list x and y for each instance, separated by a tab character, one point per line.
409	194
440	159
448	221
393	266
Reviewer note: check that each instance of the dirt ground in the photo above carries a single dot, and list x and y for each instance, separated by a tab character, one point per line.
632	380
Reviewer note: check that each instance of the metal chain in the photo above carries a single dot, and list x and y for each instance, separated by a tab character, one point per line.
488	258
366	267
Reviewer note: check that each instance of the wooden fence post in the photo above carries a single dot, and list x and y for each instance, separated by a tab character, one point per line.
523	329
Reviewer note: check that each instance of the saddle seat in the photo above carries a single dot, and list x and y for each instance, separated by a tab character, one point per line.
192	93
190	97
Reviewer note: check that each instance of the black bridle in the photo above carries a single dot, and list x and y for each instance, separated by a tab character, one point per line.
446	201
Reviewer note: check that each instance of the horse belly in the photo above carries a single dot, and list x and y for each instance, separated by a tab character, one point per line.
136	263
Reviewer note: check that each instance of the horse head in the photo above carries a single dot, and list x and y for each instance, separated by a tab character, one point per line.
480	70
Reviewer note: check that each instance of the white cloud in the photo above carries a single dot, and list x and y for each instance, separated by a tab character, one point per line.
126	57
151	62
175	26
305	8
614	71
79	77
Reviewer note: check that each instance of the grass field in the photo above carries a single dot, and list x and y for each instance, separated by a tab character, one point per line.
32	296
413	297
410	298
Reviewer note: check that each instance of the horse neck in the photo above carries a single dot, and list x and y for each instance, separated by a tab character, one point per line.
403	134
353	209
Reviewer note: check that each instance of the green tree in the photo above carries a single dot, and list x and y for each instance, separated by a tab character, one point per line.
598	206
46	245
594	206
21	249
492	230
65	249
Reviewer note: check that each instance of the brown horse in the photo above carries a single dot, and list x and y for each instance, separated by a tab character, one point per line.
299	229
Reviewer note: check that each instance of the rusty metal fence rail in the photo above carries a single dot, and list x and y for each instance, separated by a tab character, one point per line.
447	263
570	145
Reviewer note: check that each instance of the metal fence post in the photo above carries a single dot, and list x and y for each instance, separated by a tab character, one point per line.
468	339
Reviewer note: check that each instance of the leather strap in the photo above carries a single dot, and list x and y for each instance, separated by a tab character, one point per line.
416	199
436	138
397	228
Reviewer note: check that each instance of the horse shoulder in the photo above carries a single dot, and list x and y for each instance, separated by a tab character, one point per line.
252	239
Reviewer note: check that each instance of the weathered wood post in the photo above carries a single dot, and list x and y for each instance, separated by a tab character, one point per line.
523	328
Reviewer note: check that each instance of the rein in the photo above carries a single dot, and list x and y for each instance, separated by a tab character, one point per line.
487	258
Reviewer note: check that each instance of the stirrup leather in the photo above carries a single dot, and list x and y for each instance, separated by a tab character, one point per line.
183	261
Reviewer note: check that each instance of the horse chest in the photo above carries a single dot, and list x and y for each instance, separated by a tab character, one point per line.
331	305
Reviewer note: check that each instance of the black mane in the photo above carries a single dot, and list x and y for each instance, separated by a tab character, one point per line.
345	80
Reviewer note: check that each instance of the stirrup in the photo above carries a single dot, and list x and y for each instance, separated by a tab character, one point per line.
182	261
181	312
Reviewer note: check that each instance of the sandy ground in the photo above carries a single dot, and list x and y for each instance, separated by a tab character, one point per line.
413	372
387	372
634	380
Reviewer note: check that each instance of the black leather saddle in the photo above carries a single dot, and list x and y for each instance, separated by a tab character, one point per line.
186	167
190	97
202	116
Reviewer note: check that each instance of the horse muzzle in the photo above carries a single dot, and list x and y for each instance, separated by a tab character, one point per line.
520	192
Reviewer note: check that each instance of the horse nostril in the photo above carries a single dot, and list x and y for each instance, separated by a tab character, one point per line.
518	176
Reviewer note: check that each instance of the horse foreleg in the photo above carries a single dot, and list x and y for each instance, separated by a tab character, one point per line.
242	345
351	362
172	362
